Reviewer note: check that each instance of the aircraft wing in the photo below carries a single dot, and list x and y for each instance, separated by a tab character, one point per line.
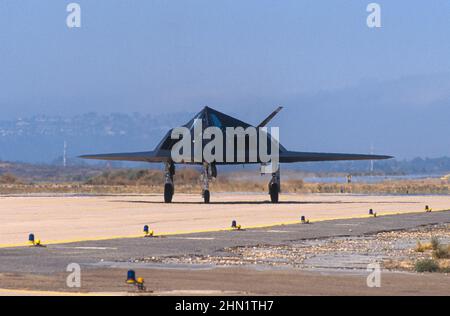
147	156
295	156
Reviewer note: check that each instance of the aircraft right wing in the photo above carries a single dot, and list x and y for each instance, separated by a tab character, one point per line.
295	156
147	156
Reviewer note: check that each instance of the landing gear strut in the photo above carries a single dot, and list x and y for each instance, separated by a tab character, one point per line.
169	187
209	171
274	187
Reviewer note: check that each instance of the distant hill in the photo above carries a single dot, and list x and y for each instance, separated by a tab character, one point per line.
36	173
40	139
424	166
37	142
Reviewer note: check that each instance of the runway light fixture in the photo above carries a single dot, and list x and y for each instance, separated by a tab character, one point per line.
131	277
304	220
235	225
31	239
428	209
140	284
147	231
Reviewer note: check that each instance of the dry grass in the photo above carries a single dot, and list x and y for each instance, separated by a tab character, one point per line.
8	178
188	181
442	252
423	247
142	178
427	186
440	256
399	265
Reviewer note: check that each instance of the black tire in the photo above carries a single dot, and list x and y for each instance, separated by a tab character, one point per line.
206	196
168	193
274	193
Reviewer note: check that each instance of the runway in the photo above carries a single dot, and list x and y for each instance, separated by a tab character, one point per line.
127	252
26	270
61	219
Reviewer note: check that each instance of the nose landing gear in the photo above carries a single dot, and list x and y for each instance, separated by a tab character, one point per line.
209	172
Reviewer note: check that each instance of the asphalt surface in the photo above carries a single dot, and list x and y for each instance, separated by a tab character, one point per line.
120	252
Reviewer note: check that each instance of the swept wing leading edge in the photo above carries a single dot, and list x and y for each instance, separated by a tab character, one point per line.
147	156
295	156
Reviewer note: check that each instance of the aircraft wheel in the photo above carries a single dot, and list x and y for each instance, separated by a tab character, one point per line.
206	196
274	194
168	193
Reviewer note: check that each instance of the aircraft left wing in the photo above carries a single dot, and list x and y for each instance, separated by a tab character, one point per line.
295	156
147	156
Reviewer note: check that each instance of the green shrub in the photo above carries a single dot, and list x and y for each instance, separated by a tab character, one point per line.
426	265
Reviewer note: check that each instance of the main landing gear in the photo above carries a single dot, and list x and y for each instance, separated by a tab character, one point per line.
274	187
169	187
209	172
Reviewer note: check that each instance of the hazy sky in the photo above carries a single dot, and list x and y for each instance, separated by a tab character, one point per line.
238	56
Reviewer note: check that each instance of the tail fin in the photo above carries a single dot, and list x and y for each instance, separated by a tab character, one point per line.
270	117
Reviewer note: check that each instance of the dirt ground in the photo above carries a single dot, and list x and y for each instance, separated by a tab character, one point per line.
229	281
55	219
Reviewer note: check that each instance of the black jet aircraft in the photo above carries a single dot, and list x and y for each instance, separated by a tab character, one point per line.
213	118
